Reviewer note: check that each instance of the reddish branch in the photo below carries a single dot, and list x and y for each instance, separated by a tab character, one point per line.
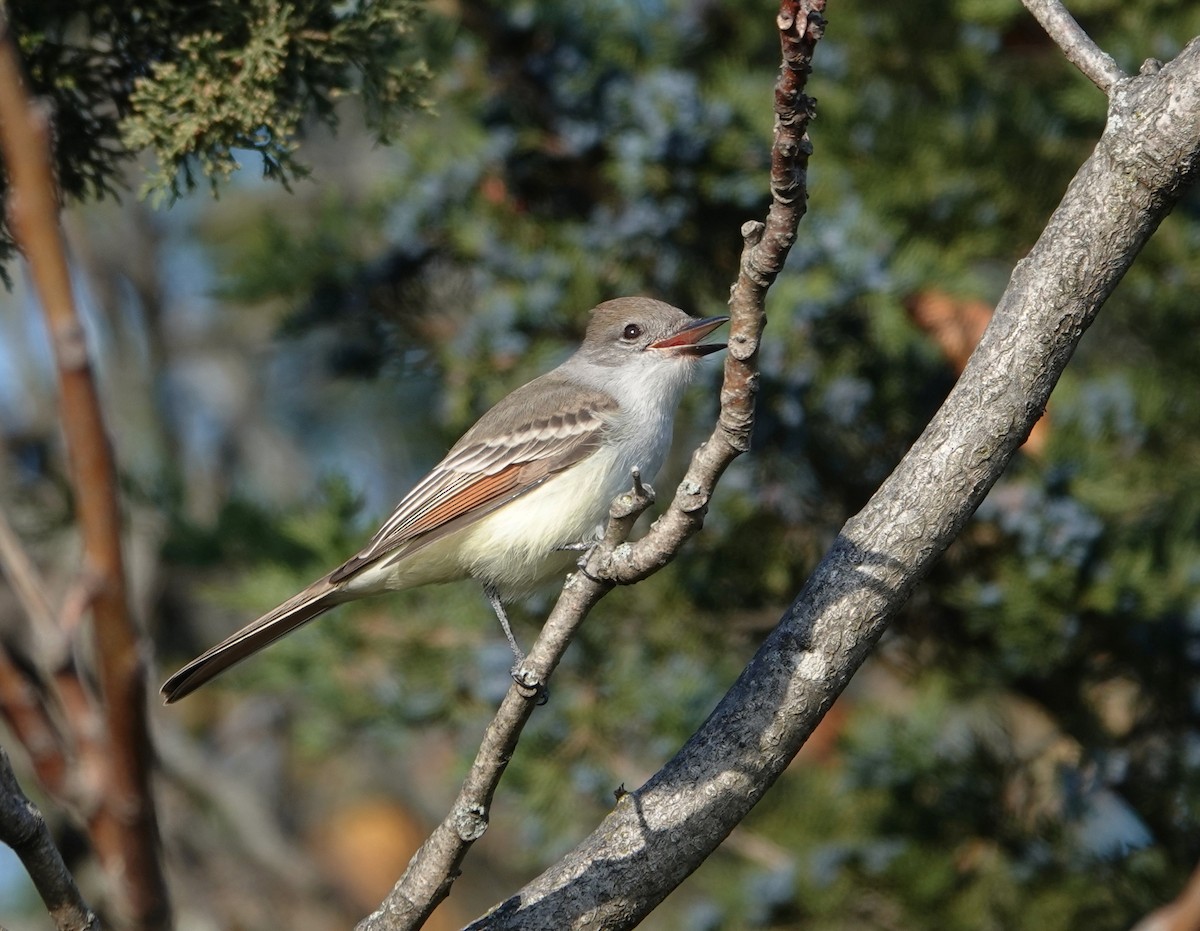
435	866
23	697
123	828
26	715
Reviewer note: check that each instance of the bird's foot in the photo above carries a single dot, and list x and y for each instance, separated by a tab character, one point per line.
529	682
584	548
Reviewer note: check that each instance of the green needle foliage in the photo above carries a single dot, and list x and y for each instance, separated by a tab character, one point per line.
1023	751
617	151
199	86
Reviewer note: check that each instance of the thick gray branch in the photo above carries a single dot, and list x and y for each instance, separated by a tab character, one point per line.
435	865
660	833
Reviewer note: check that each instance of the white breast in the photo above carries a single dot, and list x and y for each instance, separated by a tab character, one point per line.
517	546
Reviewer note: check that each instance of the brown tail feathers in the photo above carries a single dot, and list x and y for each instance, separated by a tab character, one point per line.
313	601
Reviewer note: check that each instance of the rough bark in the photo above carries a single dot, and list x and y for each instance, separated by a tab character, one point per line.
23	828
435	865
658	834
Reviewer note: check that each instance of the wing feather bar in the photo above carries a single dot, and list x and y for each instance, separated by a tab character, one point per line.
477	492
483	470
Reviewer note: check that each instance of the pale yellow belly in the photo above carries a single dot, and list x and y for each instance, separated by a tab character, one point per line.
515	547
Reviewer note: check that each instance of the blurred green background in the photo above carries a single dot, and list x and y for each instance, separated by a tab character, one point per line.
278	367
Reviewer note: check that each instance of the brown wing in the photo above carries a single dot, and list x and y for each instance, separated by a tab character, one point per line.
539	430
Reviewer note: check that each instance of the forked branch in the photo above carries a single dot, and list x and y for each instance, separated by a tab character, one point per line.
432	870
1096	64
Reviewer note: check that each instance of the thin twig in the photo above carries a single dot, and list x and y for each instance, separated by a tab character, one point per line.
1096	64
435	866
25	712
46	702
124	832
765	248
23	828
657	834
27	583
23	702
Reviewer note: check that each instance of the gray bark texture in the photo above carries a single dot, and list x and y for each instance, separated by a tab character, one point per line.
23	828
658	834
435	866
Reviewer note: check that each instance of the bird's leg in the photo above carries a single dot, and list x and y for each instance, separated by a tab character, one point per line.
520	675
493	596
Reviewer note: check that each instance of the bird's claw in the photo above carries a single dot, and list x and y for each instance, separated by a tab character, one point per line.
585	549
530	684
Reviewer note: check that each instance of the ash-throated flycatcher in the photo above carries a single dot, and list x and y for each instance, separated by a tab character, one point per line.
536	474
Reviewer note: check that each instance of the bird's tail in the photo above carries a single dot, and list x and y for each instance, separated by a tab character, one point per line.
310	603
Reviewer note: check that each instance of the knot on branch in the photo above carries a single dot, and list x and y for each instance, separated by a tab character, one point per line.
691	497
625	509
788	148
743	346
752	269
629	505
70	345
610	566
799	32
597	564
814	27
1138	140
752	232
470	822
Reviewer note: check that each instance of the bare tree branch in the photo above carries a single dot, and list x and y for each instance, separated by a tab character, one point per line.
25	579
23	699
23	828
124	830
765	248
435	866
657	835
1096	64
25	713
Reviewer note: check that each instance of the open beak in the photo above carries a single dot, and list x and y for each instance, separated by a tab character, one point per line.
686	341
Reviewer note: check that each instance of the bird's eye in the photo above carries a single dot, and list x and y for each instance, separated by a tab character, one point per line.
631	331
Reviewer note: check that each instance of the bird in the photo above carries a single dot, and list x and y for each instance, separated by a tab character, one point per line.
529	482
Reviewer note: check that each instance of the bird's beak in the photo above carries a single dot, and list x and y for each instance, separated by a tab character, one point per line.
686	341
